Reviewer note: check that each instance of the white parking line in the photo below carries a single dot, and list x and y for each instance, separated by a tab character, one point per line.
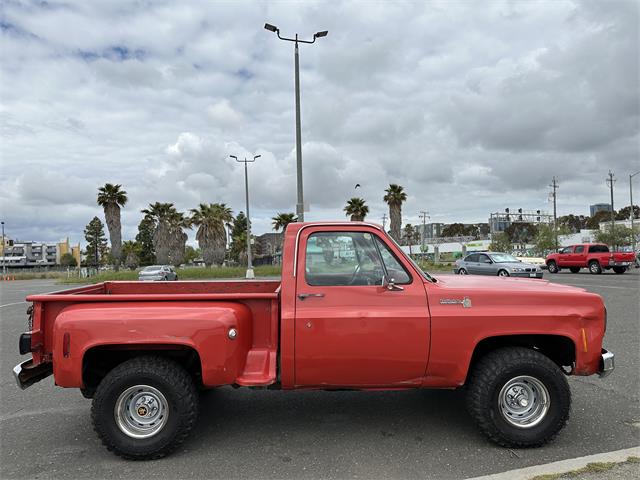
10	304
599	286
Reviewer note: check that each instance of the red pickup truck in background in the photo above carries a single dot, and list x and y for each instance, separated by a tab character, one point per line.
352	311
594	256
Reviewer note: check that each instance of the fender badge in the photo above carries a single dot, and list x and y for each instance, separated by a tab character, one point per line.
465	302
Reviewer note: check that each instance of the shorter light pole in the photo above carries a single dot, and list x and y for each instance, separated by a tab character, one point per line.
631	214
4	252
250	273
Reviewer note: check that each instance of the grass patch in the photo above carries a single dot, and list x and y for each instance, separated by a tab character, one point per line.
35	275
194	273
596	467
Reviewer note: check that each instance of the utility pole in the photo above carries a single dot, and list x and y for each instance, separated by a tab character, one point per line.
296	59
554	185
384	222
610	181
249	273
424	215
633	233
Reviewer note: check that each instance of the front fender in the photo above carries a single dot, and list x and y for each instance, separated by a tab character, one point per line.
201	325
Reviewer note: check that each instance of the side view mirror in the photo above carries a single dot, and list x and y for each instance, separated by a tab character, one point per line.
488	261
390	284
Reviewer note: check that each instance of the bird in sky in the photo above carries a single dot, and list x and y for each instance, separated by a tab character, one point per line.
357	185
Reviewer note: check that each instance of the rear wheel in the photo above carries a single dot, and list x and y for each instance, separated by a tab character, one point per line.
574	269
144	408
553	267
518	397
594	267
503	273
619	270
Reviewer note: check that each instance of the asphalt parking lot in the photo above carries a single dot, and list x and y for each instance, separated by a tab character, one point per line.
45	431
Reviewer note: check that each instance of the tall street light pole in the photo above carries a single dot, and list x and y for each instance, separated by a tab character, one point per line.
250	273
631	214
424	215
296	40
610	181
554	185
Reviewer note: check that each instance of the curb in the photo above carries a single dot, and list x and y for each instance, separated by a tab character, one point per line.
563	466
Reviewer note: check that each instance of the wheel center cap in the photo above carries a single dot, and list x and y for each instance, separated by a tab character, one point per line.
142	410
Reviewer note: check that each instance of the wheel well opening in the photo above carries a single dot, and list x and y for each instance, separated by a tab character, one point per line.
99	361
561	350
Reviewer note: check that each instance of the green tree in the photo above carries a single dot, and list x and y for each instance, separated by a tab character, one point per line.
459	230
96	242
111	198
144	239
282	220
619	236
191	254
410	236
211	220
625	213
68	260
593	223
239	238
131	254
357	209
520	233
169	239
500	243
574	223
545	239
395	197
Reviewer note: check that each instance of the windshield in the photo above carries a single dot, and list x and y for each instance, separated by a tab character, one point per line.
415	265
503	258
152	268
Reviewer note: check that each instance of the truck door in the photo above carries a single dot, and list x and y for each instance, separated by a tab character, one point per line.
350	329
564	256
578	257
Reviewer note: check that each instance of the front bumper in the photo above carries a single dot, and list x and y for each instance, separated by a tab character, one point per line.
607	363
26	373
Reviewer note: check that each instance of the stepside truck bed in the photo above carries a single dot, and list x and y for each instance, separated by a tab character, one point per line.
171	310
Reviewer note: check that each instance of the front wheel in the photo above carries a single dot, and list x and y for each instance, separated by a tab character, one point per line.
462	271
518	397
144	408
503	273
553	267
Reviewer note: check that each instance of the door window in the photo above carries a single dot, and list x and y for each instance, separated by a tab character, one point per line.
394	268
598	249
566	250
579	249
483	258
471	258
342	258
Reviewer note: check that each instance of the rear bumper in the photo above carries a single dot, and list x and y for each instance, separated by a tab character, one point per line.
607	363
26	373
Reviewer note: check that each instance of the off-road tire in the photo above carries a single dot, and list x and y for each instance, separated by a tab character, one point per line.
574	269
497	368
162	374
553	267
594	267
619	270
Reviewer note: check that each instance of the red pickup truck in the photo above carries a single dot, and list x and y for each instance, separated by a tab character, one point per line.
594	256
352	311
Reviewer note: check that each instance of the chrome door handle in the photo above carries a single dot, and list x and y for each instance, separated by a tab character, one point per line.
302	296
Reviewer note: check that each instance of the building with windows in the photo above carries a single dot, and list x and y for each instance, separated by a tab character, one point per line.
430	230
599	207
19	254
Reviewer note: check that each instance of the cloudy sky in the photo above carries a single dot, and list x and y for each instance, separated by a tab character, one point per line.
471	106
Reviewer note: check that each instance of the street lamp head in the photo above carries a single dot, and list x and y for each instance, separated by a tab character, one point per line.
271	28
233	156
321	34
257	156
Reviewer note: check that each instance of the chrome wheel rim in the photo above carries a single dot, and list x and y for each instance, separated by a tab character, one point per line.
462	271
141	411
524	401
502	273
594	268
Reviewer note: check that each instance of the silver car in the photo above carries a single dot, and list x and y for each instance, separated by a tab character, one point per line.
493	263
157	273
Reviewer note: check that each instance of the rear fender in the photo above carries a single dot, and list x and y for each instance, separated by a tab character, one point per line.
202	326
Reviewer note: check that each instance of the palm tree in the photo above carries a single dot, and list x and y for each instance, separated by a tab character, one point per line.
131	254
357	208
281	221
168	234
111	198
394	197
211	220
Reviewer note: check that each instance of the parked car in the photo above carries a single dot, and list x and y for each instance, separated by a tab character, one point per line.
157	273
495	263
375	321
594	256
